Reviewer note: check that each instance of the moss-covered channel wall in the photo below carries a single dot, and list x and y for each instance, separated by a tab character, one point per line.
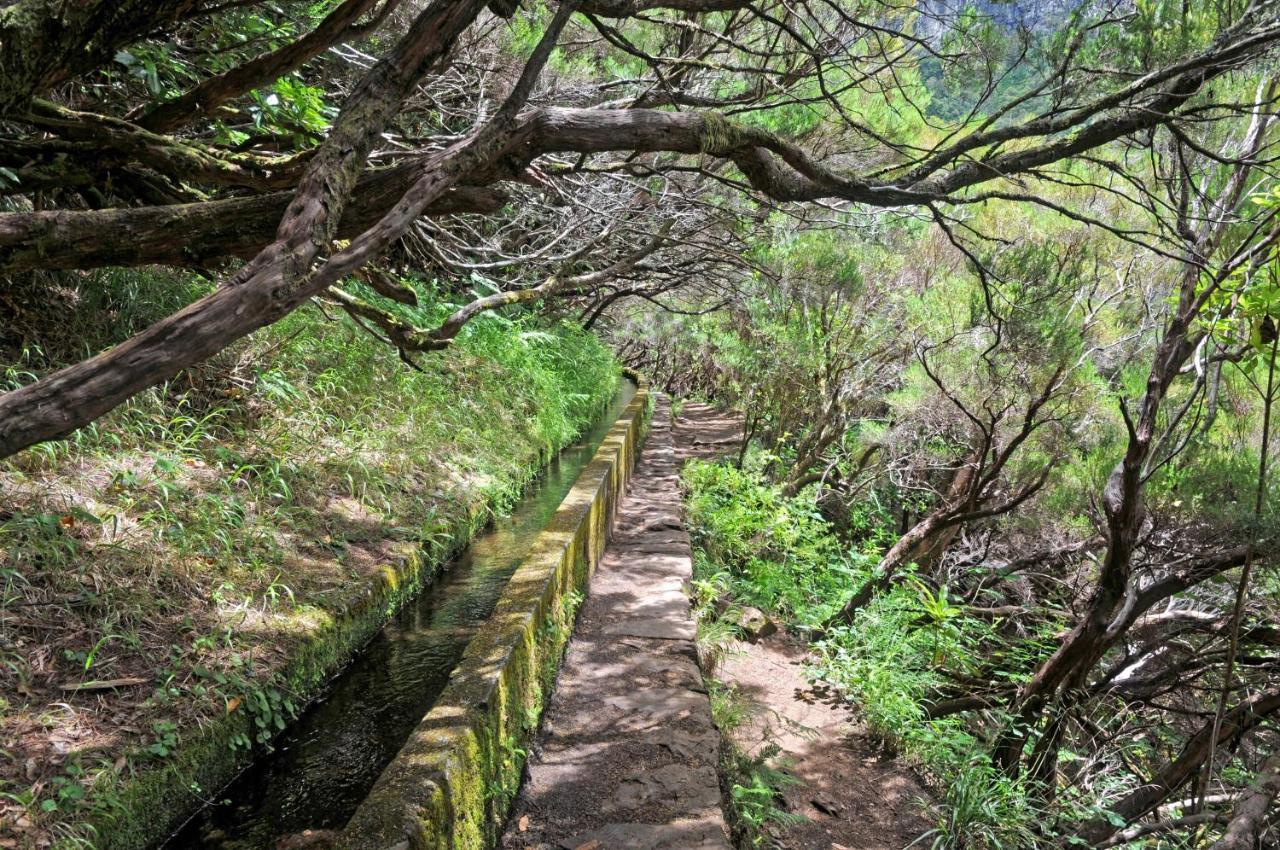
452	783
156	802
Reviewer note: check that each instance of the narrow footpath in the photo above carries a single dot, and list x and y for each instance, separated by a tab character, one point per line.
627	755
849	793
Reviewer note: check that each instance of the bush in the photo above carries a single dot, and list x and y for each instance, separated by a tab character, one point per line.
779	553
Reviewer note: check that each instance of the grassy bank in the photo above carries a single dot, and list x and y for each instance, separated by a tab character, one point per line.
211	550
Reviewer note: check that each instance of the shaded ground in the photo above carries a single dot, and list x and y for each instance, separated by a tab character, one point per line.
701	431
161	568
850	793
627	755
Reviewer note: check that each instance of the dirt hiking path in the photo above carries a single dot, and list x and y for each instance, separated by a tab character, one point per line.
851	794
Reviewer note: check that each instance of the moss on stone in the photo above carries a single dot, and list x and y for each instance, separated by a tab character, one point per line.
151	803
452	784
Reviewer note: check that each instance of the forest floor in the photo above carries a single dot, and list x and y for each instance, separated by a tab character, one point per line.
850	792
846	792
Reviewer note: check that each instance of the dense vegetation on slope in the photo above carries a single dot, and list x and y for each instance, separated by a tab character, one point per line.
929	491
167	566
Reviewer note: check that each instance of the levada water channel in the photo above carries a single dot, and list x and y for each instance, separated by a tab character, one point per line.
324	764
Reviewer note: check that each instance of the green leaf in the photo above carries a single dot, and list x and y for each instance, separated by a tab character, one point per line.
152	79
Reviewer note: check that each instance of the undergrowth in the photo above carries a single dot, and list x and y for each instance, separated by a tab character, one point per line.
754	546
753	782
766	550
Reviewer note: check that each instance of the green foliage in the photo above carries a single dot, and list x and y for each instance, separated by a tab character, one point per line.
762	549
778	553
292	109
983	808
755	787
889	662
232	508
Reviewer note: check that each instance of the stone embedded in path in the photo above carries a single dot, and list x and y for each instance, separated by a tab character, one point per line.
654	629
690	835
754	623
627	755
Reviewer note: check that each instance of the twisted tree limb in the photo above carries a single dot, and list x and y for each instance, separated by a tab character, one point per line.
1251	809
1244	716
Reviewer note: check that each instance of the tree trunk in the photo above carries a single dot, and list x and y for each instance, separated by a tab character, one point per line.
1251	809
199	234
1246	715
1069	667
276	281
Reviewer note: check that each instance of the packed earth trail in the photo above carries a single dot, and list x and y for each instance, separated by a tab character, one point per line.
849	793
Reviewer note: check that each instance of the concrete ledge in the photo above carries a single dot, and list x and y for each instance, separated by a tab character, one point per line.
451	785
156	802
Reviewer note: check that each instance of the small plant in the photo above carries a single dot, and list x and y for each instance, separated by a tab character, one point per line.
755	790
276	591
270	707
67	788
729	710
507	779
984	808
939	615
165	740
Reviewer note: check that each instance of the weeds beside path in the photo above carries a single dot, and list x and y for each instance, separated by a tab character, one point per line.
800	772
848	792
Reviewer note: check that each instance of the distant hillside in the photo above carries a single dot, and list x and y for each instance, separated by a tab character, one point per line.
1032	14
952	101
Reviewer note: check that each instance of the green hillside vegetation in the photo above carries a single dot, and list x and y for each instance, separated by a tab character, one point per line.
294	292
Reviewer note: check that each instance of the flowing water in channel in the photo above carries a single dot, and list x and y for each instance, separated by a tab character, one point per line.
326	762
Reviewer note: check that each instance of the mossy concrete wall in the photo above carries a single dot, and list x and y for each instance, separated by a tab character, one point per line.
157	801
451	785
